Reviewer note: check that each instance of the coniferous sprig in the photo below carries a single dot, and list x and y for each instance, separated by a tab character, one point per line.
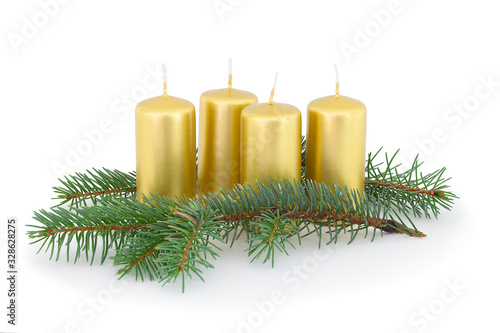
111	223
295	207
139	255
189	240
77	189
410	191
271	231
164	239
155	239
175	247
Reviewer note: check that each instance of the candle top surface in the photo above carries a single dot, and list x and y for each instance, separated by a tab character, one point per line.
336	103
266	110
165	103
229	93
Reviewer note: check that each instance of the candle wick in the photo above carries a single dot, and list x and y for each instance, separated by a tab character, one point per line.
271	97
230	74
164	72
337	93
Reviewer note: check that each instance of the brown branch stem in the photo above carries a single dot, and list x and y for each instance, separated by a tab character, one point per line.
141	258
272	232
91	194
384	225
116	227
411	189
190	241
186	248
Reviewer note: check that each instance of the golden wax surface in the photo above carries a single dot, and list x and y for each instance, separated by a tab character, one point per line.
165	147
270	142
336	141
219	140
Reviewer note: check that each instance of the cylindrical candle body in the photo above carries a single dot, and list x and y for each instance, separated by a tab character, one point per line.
166	147
270	142
336	142
219	141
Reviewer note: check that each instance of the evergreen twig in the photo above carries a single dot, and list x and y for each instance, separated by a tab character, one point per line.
162	239
410	191
79	188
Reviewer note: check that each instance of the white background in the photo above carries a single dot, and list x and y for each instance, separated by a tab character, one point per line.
78	68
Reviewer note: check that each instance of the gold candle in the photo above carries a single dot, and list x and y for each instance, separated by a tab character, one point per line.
336	141
270	141
165	129
219	142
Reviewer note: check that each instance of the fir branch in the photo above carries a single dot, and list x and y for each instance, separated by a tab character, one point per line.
114	221
92	185
48	232
188	238
139	255
162	239
165	239
272	231
277	205
410	191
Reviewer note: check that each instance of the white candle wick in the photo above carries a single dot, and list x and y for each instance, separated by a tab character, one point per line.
164	73
230	73
274	88
336	79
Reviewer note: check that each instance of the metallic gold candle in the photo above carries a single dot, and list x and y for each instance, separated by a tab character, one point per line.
219	141
336	141
165	146
270	141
